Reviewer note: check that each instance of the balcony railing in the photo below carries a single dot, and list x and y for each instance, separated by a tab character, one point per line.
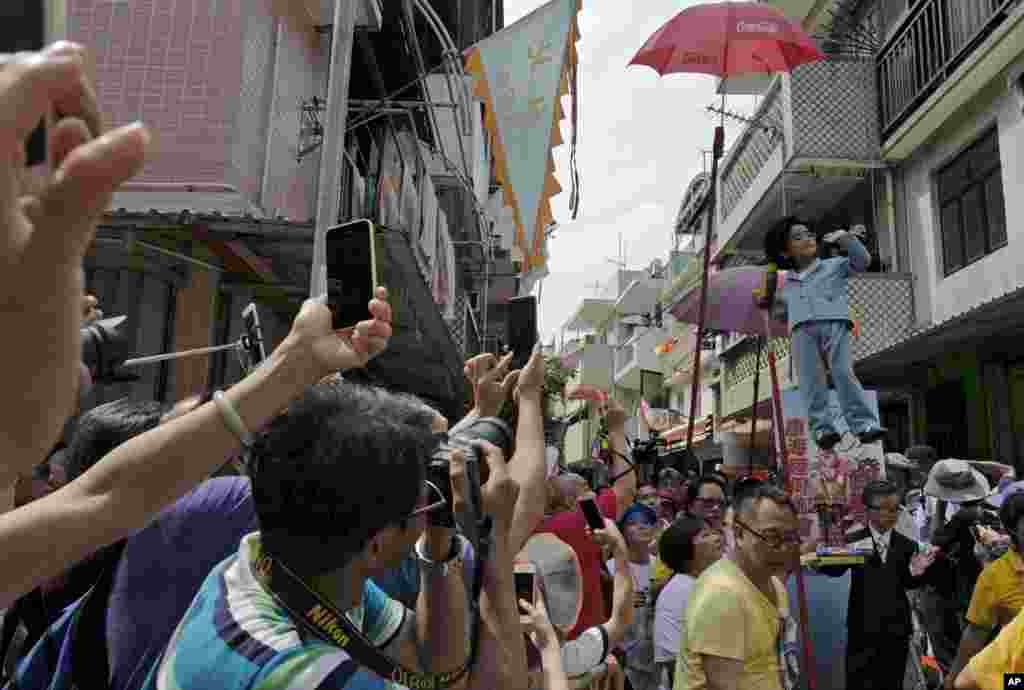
624	356
823	110
932	43
882	305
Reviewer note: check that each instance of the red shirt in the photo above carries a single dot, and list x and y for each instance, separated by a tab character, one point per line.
571	527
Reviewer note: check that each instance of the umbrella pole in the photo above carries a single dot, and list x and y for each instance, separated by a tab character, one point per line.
783	456
716	155
753	405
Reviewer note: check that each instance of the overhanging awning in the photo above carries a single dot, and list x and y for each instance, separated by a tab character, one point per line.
422	358
991	327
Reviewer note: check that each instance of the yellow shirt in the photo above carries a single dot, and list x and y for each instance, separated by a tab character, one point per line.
1005	654
999	592
727	616
660	574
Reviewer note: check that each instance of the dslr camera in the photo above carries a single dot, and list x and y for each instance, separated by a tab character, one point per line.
489	429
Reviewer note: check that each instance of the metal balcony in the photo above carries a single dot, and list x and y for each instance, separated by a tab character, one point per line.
882	305
637	355
933	42
820	123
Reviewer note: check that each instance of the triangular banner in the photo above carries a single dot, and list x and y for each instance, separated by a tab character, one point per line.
521	73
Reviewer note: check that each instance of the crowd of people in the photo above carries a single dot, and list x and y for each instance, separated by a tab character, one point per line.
304	530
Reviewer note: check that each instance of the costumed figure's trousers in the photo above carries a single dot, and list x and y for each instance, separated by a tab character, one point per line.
811	341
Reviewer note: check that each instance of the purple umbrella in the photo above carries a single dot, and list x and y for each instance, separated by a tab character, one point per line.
730	305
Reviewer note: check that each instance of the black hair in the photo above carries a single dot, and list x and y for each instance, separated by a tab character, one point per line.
777	238
343	462
676	547
693	487
878	488
1010	514
105	427
749	493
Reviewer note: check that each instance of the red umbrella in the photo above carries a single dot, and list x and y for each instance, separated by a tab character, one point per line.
726	39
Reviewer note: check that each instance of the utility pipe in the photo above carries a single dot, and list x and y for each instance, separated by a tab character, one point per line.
331	152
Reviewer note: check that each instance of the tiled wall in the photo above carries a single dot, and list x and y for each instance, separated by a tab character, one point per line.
172	64
201	73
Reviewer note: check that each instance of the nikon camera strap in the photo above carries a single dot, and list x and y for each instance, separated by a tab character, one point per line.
330	625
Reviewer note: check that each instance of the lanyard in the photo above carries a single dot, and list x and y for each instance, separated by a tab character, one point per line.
330	625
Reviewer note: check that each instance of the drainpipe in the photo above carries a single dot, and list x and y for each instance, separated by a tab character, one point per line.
332	150
265	185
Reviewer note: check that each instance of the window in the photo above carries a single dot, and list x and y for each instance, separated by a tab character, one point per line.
972	214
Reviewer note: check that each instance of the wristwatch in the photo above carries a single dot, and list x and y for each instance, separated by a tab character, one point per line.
430	566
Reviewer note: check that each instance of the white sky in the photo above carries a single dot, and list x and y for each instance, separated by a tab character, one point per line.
640	142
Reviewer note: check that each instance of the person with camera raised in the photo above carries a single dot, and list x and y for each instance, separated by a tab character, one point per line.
570	526
339	484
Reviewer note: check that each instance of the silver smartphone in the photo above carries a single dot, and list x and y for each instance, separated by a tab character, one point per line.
29	25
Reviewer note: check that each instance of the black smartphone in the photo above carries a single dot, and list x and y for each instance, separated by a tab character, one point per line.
525	575
351	271
521	329
591	513
29	25
253	339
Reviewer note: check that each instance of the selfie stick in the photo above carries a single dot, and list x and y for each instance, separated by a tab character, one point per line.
153	359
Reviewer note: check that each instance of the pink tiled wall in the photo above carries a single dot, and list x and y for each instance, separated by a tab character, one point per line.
200	73
172	64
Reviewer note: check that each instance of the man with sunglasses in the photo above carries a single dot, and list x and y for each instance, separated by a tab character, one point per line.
878	613
738	631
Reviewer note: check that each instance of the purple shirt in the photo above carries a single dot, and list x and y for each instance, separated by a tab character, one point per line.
162	568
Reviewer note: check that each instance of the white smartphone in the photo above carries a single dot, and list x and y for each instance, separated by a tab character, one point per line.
30	25
525	575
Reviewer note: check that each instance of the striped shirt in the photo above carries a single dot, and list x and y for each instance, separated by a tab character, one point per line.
236	636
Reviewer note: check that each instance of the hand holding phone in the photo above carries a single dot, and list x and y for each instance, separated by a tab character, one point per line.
525	575
591	512
351	270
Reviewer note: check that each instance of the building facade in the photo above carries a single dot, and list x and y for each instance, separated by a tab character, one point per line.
912	129
223	213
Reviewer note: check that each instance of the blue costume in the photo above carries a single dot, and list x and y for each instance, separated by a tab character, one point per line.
814	303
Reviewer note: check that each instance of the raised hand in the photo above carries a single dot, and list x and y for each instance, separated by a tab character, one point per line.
492	382
332	350
47	222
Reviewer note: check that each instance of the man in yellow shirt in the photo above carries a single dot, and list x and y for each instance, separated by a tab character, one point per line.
1005	655
999	591
738	631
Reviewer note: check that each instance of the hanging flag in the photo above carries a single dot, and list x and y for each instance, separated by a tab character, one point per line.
521	72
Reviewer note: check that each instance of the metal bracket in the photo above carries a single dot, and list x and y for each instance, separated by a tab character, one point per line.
311	130
753	122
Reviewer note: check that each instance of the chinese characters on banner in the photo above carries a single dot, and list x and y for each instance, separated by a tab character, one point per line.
806	462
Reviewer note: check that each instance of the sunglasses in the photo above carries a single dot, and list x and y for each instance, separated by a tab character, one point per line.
776	541
433	497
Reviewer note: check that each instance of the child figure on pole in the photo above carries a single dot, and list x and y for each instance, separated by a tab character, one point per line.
813	301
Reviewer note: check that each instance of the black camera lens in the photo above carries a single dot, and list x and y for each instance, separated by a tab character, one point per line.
490	429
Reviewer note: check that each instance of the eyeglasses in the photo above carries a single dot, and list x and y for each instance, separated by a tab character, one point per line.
800	232
884	510
434	497
710	503
776	541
